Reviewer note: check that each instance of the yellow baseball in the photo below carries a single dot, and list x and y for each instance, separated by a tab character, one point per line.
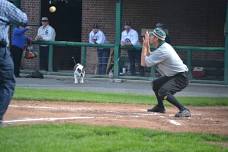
52	9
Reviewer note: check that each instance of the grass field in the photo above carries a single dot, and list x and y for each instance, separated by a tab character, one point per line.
80	138
83	138
77	96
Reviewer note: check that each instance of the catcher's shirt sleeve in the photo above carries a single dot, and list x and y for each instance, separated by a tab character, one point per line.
155	57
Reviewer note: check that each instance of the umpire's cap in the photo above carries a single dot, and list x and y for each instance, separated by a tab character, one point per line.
159	33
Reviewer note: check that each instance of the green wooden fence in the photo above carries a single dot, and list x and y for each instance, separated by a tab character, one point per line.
188	49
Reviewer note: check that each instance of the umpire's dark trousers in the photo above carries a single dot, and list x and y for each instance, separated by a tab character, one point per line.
7	80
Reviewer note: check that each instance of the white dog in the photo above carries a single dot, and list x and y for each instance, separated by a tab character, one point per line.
79	73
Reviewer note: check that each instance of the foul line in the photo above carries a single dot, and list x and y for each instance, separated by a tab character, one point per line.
136	115
49	108
45	119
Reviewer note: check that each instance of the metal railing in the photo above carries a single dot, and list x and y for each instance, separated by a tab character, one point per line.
191	49
188	49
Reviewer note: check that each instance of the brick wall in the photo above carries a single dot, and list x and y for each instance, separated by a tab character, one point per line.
103	13
34	19
190	22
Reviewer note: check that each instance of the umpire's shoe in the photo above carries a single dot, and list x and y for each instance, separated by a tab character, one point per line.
183	113
157	109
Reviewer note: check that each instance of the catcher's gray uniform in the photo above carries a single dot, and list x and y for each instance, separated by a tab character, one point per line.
174	77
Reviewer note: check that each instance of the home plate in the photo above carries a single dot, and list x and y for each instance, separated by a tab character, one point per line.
174	122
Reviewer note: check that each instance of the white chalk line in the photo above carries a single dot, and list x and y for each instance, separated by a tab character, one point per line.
136	115
79	109
50	108
45	119
66	118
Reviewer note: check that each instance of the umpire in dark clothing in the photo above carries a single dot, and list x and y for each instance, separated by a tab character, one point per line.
174	72
8	14
18	44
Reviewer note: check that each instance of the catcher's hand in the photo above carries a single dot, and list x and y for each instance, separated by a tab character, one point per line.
146	44
145	48
30	55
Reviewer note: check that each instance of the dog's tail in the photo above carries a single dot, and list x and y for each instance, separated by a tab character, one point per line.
74	60
76	63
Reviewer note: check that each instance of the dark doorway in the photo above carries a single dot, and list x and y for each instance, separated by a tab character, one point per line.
67	23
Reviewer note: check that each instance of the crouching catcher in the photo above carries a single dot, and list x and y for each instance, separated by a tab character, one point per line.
174	73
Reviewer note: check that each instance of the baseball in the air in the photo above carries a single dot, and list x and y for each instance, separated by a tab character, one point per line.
52	9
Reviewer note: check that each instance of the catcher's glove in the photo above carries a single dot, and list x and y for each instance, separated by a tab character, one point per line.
30	55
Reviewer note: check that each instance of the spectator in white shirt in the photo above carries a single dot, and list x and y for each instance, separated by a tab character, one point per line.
130	38
45	33
96	36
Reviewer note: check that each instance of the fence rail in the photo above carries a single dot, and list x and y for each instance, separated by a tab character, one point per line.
84	46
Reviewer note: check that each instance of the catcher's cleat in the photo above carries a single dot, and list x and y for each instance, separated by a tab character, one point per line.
183	113
156	109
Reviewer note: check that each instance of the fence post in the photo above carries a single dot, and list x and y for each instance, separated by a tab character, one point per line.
83	55
117	37
189	63
226	48
50	58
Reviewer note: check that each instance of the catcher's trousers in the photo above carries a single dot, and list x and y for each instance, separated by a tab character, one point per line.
7	80
164	86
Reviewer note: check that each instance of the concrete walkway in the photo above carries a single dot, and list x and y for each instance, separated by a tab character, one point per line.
129	86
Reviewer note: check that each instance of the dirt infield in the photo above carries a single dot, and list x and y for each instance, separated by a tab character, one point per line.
204	119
